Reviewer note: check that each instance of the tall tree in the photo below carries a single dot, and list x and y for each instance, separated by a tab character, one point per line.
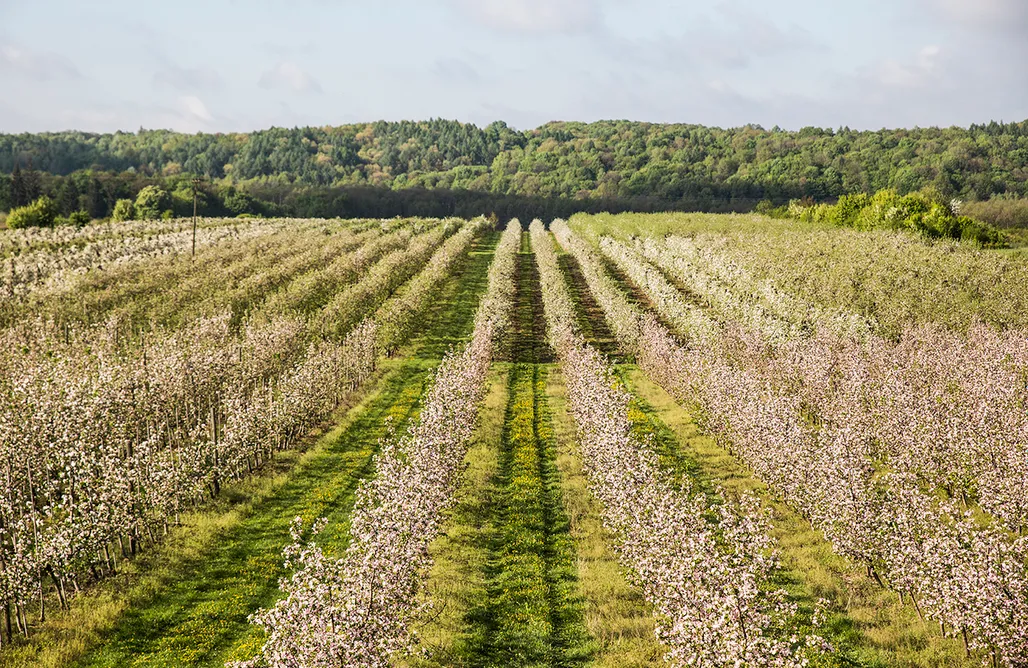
97	199
18	195
6	199
32	188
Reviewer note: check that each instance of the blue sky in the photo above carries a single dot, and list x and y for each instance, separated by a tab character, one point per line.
236	65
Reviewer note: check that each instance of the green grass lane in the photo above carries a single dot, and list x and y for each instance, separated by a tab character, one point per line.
505	585
194	609
532	612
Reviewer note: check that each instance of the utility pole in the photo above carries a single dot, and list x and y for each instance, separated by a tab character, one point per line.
196	184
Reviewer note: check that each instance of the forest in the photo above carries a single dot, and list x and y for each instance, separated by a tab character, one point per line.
440	168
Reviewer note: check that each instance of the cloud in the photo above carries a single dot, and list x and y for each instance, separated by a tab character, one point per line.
308	48
188	78
534	16
195	107
36	65
922	72
730	38
1005	16
185	114
291	76
455	70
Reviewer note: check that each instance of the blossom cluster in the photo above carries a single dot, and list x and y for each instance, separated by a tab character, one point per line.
736	294
358	610
33	265
103	443
857	434
705	566
392	271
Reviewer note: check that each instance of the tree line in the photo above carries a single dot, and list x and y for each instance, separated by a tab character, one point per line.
446	167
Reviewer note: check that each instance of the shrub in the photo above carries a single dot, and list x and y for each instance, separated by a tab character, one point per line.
925	212
844	214
151	202
800	208
767	208
884	210
124	209
79	218
41	213
977	232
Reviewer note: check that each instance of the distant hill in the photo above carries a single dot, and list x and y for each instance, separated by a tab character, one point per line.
668	165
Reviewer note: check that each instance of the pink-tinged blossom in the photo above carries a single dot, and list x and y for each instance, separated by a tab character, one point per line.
706	569
856	432
359	610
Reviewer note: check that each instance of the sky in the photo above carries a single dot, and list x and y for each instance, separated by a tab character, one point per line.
240	65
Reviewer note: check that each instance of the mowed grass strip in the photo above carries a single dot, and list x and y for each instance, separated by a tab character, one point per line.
460	554
523	605
531	613
187	602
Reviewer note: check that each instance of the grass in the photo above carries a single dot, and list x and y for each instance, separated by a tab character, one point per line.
531	614
519	603
590	318
617	616
869	626
187	602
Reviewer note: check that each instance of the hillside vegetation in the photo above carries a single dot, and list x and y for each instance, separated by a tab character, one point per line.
441	167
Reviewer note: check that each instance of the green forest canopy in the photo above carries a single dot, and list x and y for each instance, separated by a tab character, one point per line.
608	160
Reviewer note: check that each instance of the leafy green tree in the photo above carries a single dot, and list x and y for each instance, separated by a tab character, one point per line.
239	202
124	209
97	199
79	218
151	202
66	196
40	213
18	194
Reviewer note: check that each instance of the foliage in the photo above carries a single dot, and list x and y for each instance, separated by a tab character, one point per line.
766	207
1003	212
636	166
41	213
124	209
921	212
151	202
